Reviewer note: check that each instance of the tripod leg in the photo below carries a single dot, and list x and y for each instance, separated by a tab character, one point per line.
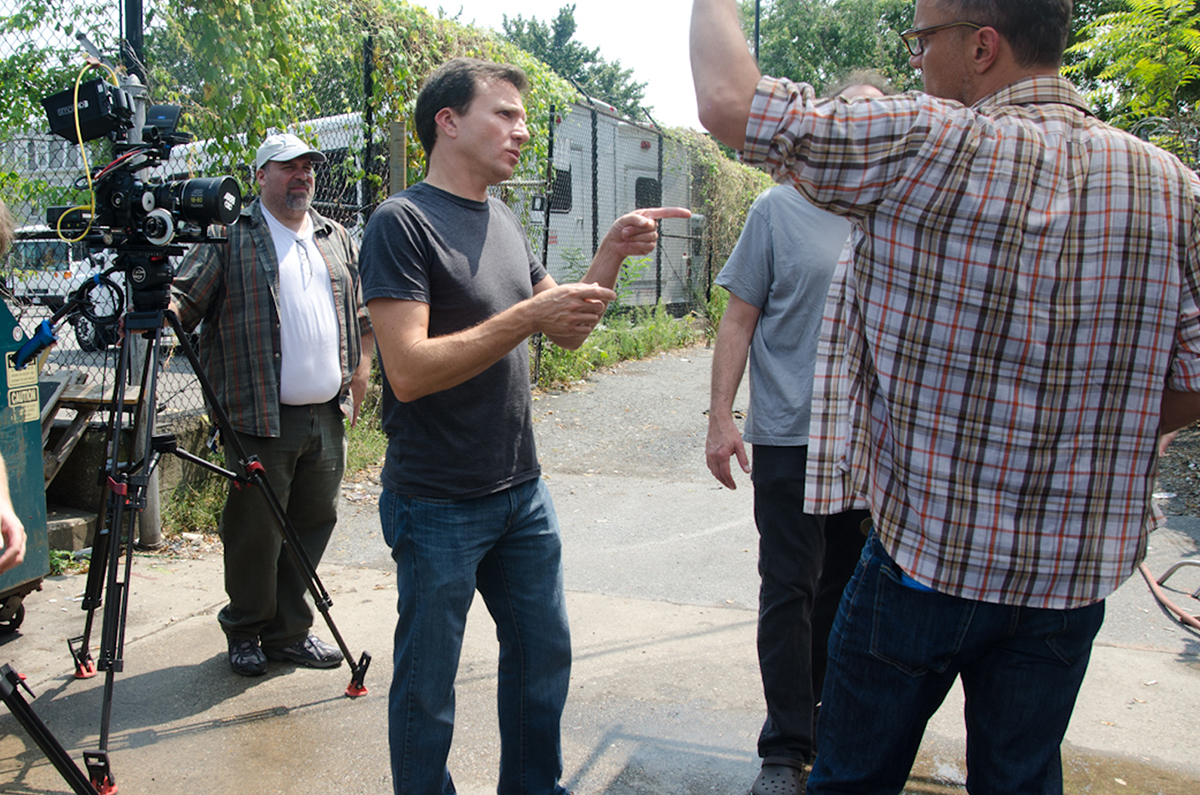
112	496
129	490
256	474
10	680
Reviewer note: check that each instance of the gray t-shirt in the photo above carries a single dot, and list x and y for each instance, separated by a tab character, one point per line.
468	261
783	264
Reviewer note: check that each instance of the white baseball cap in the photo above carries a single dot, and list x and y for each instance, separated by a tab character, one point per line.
282	147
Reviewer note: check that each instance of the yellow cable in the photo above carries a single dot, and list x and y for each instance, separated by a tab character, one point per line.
90	208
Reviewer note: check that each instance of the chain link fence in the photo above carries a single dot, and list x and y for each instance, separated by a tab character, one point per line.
601	167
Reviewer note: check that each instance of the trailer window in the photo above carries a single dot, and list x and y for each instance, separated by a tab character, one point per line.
647	192
560	191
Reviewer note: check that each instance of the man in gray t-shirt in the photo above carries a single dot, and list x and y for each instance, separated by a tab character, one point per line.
778	276
454	290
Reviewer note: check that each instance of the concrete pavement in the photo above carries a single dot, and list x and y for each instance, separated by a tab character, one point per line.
665	696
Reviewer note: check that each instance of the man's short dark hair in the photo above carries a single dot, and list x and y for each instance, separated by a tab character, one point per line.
1037	30
452	85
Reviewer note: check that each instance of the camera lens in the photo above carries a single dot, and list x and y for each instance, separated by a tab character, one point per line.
208	200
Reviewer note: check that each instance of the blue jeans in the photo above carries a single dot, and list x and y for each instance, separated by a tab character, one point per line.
895	651
507	546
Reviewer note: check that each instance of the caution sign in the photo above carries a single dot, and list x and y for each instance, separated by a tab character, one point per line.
25	400
22	389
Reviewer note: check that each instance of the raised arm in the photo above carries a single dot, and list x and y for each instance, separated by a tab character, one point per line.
723	70
632	235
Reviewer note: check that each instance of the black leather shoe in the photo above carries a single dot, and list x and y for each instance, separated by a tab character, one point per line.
312	652
246	658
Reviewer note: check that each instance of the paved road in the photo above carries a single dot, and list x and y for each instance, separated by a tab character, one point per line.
660	570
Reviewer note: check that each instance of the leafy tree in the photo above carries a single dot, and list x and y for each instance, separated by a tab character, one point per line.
555	45
1144	59
33	70
818	41
1140	66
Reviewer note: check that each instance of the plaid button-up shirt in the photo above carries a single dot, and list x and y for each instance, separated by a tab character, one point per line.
1025	283
233	286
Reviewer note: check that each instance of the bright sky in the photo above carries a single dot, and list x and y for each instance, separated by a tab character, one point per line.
648	36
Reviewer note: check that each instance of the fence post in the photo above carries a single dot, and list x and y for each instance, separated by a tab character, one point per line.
595	183
366	189
398	157
658	249
539	340
150	517
132	49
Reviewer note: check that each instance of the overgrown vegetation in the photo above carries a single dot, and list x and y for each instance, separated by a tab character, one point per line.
64	561
366	441
194	507
633	334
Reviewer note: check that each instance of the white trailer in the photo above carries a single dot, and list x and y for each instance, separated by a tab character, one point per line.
604	166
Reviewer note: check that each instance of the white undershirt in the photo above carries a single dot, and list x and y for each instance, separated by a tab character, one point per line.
311	370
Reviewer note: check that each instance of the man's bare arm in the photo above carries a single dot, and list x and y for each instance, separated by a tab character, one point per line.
723	71
729	365
12	531
418	365
1178	410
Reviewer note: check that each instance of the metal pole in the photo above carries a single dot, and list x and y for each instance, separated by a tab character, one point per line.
658	254
150	518
551	181
133	52
369	199
757	16
595	183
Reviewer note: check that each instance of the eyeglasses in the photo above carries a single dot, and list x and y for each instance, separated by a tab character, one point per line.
306	269
914	38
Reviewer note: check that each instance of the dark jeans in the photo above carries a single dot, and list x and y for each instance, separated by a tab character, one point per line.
805	562
304	466
896	650
506	546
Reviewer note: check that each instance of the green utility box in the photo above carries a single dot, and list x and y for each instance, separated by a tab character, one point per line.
21	446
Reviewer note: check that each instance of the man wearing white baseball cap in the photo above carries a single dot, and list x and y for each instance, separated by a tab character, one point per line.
287	344
282	147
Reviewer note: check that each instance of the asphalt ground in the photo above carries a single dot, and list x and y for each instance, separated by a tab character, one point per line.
660	567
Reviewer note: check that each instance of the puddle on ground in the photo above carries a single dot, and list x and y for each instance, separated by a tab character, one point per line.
936	774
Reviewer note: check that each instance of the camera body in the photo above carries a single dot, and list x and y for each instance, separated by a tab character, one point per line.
131	210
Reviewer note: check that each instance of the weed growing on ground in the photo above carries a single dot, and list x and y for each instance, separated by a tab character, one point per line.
63	561
194	507
634	334
366	442
630	334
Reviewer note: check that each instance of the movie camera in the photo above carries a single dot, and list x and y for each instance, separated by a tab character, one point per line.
129	211
145	220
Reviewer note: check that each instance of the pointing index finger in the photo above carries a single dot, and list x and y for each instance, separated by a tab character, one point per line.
665	212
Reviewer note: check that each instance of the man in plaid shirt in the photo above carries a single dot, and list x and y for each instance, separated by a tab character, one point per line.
1025	323
287	344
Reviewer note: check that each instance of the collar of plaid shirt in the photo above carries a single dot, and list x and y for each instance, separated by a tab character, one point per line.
992	363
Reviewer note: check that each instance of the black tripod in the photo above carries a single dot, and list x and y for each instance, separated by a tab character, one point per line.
10	681
149	276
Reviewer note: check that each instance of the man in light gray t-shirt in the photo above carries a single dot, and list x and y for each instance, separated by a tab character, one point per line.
778	276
